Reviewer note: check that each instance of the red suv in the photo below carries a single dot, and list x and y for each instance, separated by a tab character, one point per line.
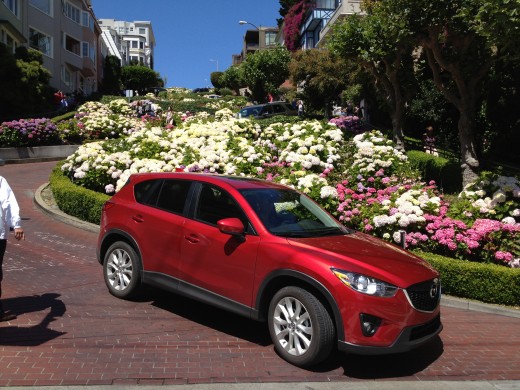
269	253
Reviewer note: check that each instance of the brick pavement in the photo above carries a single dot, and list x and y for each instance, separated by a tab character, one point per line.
71	331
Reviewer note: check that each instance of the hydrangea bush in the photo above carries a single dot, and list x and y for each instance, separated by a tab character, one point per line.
29	132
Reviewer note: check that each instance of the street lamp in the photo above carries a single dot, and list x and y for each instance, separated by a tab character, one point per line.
244	22
216	62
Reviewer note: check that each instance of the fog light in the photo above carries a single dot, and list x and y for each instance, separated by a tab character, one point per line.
369	324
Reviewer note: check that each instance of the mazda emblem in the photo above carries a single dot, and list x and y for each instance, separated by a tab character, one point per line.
434	288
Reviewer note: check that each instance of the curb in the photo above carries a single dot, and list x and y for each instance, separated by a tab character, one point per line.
50	208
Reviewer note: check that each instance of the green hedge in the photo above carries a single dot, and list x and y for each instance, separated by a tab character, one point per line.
74	200
446	173
490	283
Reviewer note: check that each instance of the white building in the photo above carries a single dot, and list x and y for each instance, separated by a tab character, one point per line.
129	41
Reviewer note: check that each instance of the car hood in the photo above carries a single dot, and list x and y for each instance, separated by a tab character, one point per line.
359	252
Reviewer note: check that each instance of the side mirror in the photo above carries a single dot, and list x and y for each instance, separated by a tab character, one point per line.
232	226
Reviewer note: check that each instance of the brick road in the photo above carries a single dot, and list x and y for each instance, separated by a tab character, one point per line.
71	331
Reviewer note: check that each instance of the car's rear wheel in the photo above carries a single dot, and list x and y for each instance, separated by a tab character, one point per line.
301	328
121	270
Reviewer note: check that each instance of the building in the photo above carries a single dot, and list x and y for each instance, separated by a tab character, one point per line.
65	32
319	19
345	8
260	38
129	41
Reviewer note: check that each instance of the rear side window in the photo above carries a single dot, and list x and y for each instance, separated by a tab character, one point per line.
147	192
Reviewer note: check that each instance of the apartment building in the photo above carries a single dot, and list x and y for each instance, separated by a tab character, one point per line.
260	38
64	31
319	19
129	41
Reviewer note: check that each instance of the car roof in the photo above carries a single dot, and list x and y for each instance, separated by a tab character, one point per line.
237	182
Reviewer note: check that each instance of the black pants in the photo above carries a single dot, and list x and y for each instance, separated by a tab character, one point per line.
3	245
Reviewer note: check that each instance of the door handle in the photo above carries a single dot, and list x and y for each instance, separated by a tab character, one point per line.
138	218
192	238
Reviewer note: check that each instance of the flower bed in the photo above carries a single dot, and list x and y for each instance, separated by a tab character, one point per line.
367	183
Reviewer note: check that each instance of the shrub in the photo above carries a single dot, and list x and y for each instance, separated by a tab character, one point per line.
30	132
484	282
445	173
74	200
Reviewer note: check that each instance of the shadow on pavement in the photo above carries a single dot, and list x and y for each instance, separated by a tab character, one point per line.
209	316
36	334
392	366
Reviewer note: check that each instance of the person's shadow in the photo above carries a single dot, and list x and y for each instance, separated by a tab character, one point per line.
37	334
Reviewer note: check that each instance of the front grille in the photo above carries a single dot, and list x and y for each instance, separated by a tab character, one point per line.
425	330
425	296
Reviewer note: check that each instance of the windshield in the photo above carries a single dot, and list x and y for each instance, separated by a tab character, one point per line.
288	213
250	111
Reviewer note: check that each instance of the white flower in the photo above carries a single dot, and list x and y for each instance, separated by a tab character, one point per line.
508	221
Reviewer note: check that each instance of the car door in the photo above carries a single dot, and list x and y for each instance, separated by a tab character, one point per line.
157	223
214	261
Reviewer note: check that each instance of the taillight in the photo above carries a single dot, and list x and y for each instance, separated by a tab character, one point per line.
108	205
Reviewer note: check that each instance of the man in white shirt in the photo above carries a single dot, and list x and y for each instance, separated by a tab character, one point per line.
9	218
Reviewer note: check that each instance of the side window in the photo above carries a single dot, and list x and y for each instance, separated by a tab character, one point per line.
173	195
216	204
147	192
278	109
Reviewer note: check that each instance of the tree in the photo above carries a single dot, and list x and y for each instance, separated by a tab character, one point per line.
111	75
285	6
462	41
24	83
378	43
216	79
265	70
137	77
323	76
293	22
232	78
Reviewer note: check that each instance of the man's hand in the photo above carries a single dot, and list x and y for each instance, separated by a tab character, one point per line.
19	234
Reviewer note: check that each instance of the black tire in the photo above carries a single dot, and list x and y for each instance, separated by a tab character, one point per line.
122	270
300	327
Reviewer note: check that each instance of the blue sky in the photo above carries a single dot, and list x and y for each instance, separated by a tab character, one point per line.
190	33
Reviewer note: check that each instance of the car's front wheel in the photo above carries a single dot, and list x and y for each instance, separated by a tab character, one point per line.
300	326
121	270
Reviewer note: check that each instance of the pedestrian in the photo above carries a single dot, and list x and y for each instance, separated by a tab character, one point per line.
429	141
301	108
10	218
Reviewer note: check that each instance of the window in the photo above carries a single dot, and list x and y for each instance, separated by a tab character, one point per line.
85	19
67	77
43	5
40	41
85	49
14	6
142	30
72	45
173	195
215	204
270	38
71	12
134	44
141	45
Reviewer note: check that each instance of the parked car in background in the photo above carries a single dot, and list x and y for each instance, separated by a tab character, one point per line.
267	110
270	253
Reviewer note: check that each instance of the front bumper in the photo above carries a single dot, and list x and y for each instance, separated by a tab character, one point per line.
410	338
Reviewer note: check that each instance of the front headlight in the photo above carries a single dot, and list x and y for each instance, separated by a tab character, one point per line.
365	284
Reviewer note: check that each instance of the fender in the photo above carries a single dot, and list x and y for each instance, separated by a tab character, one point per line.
308	280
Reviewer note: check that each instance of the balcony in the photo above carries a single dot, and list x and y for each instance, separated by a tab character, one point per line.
347	7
